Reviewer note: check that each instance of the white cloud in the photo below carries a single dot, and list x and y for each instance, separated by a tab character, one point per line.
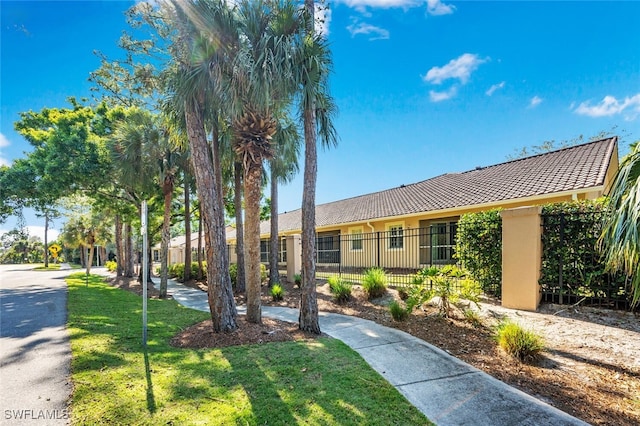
376	33
459	68
495	87
443	96
609	106
4	142
434	7
535	101
382	4
437	8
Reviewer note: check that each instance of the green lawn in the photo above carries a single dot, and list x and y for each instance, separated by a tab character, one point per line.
52	267
117	382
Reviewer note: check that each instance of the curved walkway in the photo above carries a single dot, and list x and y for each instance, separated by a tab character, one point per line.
447	390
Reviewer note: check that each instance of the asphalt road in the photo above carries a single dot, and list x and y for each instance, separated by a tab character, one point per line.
34	347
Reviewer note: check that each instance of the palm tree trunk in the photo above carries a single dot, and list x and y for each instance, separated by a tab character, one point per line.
46	241
91	242
220	294
241	282
187	230
166	235
252	193
200	272
274	275
119	248
308	320
128	247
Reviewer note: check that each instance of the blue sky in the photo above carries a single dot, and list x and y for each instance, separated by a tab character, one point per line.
423	87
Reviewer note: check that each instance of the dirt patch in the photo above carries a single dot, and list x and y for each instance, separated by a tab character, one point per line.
201	335
590	369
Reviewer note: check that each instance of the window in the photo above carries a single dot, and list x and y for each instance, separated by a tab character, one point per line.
443	239
396	236
356	238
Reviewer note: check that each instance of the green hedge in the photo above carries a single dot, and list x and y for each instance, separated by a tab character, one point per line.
176	270
569	239
479	248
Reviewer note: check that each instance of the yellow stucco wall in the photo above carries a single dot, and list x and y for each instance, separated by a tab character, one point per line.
521	258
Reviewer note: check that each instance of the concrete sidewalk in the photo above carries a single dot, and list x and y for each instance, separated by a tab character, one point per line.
447	390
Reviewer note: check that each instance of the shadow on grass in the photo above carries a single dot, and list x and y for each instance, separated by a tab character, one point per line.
264	395
151	400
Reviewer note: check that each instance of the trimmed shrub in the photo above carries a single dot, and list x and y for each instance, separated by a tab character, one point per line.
233	273
176	270
340	289
518	342
277	292
111	265
398	313
374	282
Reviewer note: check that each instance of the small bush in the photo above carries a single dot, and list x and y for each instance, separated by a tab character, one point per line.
374	282
403	292
340	289
111	265
233	274
398	313
297	279
277	292
176	270
472	317
518	342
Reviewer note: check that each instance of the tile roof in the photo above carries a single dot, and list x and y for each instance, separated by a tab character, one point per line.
575	168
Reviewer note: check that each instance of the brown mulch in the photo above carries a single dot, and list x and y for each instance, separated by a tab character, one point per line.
201	335
590	368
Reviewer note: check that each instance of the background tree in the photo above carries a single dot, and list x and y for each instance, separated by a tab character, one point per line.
85	227
283	167
194	91
317	109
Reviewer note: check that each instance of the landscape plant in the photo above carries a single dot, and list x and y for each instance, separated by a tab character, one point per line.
446	288
111	265
398	312
277	292
620	238
518	342
374	282
340	289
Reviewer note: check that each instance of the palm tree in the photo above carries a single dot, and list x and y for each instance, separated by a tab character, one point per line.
261	86
620	238
283	166
195	93
241	281
317	109
148	160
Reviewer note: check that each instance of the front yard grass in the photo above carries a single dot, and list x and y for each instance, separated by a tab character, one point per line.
117	381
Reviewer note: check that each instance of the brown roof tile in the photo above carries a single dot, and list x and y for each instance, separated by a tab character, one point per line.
569	169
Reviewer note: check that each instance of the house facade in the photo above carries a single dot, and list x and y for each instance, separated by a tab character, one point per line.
412	226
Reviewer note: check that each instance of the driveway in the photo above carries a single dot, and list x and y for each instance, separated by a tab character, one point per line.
34	347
